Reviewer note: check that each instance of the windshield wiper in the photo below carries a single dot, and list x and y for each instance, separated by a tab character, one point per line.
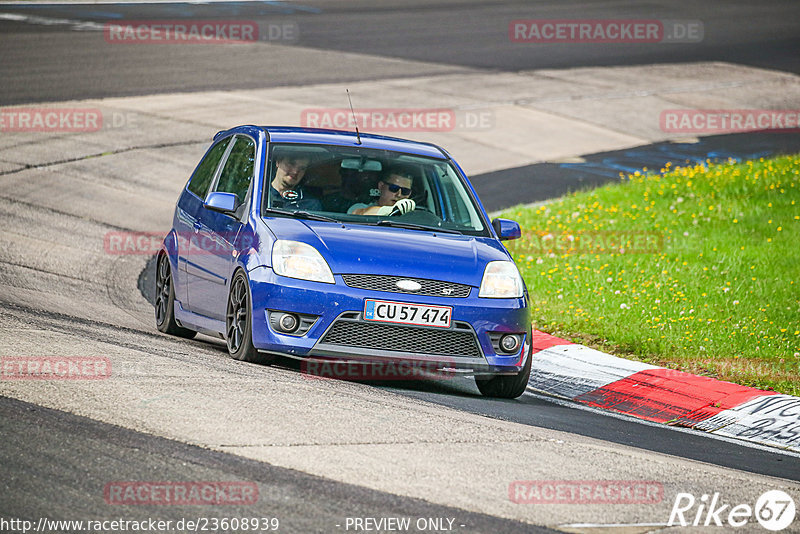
299	214
411	226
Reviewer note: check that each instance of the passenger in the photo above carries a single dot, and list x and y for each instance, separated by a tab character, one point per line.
394	191
286	191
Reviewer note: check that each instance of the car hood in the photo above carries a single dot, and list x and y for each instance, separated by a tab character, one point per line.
362	249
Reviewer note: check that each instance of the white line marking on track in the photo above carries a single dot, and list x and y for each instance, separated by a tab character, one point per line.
77	25
612	525
136	2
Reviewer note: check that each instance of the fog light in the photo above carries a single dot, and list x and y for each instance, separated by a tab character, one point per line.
509	343
288	322
291	324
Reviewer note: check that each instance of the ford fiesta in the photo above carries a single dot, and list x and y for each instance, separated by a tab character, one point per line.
326	245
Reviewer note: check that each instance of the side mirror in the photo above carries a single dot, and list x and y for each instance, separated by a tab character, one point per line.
506	229
222	202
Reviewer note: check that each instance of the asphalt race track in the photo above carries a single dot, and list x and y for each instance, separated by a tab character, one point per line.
97	448
46	62
319	452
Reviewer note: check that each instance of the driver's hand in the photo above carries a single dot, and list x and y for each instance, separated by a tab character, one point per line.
402	207
405	205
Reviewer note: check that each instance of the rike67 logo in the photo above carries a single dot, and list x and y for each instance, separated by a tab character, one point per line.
774	510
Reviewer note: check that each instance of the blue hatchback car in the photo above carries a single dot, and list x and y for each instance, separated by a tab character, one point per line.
327	245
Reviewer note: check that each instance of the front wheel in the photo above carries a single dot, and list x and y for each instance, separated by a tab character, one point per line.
238	324
165	301
506	386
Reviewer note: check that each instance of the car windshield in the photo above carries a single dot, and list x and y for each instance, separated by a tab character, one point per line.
368	186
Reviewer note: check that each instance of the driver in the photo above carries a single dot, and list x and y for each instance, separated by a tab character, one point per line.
285	190
394	190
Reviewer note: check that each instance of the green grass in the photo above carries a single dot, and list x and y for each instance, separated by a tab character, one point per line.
707	279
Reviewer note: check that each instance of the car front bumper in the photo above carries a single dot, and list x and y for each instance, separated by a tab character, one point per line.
340	332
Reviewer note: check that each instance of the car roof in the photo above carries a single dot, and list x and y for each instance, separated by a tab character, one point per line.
289	134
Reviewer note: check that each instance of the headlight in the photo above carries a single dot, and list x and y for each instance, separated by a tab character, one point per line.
501	280
299	260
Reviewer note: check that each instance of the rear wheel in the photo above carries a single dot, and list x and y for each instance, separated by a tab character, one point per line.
165	301
238	323
506	386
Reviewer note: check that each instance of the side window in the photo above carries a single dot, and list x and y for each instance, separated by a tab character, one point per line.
205	171
238	170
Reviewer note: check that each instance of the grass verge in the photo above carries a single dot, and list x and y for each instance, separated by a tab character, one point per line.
696	268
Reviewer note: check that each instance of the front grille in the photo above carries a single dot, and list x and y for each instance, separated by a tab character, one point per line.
430	288
457	341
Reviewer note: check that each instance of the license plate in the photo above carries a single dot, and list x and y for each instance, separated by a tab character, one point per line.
398	312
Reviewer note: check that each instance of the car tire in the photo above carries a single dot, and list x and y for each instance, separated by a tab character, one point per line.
506	386
239	324
165	301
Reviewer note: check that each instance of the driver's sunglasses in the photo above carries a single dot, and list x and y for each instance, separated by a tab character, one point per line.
394	188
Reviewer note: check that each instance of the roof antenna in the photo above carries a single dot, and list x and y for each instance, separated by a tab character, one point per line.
358	136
